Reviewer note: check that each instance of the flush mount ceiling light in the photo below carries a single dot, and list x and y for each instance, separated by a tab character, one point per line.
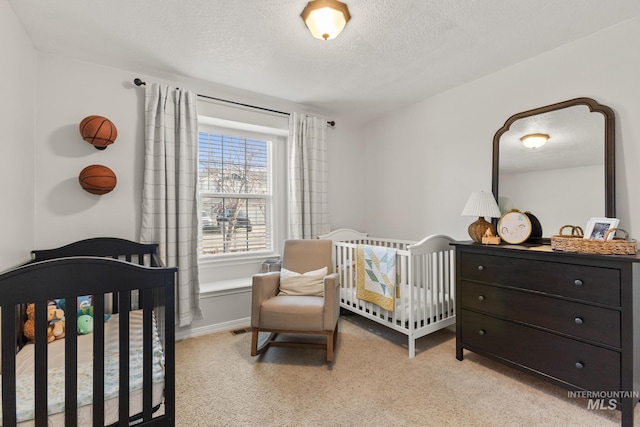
325	18
534	140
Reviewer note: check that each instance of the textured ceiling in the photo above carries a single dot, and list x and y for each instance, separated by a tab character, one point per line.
392	52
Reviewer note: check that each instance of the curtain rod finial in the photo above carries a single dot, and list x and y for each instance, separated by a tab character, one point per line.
139	82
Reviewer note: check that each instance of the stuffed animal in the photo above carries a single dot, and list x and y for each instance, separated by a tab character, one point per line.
87	308
29	329
84	307
55	328
85	324
56	323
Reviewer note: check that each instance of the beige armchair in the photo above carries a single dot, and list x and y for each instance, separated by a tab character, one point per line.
275	313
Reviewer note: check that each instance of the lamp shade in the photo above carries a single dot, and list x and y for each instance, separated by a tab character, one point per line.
325	19
481	204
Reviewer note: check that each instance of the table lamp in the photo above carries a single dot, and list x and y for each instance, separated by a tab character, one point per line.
481	204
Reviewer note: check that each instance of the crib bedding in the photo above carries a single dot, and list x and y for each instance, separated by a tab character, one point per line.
421	305
56	358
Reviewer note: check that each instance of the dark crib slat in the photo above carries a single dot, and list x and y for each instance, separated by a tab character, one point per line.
9	339
147	354
169	333
123	395
70	370
98	360
40	363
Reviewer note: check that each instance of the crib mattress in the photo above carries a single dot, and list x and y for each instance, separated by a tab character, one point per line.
56	357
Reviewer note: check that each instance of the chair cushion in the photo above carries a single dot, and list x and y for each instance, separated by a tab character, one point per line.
309	283
293	313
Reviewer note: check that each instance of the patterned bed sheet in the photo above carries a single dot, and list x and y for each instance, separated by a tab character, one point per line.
56	404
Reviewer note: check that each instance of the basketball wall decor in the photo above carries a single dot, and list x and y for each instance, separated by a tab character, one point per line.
98	131
97	179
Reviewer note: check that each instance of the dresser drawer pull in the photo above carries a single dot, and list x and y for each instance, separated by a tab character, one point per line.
480	297
579	365
481	268
579	320
577	282
481	332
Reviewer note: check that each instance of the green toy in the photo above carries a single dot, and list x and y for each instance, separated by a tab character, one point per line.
85	324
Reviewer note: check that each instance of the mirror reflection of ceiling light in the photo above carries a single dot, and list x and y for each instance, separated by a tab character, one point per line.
325	18
534	140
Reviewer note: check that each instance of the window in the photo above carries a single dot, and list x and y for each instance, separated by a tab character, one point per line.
236	191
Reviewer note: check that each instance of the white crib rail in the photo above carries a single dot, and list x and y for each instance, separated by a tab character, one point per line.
425	280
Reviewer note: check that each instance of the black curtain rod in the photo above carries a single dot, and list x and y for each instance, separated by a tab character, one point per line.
139	82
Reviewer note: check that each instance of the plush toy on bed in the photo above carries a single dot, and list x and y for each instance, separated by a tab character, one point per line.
84	321
85	317
29	328
55	329
86	308
56	323
85	324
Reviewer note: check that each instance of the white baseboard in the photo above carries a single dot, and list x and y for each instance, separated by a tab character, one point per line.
210	329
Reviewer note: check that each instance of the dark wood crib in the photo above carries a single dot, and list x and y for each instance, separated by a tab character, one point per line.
127	281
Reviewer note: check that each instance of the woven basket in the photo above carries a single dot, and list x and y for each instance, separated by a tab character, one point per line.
575	242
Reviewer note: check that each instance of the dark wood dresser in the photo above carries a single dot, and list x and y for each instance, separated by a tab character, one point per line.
570	319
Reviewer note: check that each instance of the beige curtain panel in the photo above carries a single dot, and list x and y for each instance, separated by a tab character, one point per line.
308	177
169	195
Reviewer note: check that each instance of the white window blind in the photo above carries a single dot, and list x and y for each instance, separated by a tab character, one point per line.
235	193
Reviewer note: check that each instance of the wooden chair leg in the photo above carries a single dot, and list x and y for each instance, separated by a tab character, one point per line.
258	346
254	342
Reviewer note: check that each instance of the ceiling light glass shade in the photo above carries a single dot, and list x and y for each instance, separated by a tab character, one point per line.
325	18
481	204
534	140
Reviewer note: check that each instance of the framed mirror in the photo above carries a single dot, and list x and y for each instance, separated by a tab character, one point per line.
557	162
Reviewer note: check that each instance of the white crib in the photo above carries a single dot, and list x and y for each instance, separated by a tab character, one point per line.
425	277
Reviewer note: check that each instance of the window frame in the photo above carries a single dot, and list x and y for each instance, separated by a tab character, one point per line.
277	207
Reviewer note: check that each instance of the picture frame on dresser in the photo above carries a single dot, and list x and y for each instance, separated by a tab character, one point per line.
514	227
597	228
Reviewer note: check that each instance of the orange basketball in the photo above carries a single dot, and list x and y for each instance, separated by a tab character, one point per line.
97	179
99	131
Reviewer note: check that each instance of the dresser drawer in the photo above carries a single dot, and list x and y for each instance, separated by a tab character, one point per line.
580	320
582	365
588	283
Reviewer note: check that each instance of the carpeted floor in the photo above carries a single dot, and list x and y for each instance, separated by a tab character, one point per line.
372	382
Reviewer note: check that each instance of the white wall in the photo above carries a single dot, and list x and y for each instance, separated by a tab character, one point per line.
68	91
17	121
432	155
